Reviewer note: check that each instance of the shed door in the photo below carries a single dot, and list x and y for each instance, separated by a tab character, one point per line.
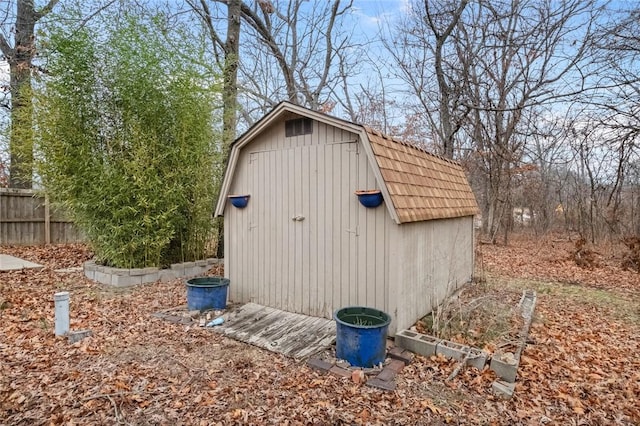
303	226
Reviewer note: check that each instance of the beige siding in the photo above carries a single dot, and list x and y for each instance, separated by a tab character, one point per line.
339	253
334	257
428	261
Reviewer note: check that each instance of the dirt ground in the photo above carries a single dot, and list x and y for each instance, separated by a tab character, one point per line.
581	366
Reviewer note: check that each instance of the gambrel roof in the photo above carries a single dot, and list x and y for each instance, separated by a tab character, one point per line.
422	186
416	184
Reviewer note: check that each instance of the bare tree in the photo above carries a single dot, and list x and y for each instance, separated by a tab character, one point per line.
289	50
615	110
527	54
546	155
428	61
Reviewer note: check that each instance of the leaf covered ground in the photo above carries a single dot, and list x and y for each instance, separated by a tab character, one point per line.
581	366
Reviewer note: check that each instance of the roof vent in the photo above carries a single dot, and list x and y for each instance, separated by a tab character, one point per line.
298	126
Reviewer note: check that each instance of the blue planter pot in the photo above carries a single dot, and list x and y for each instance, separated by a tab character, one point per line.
370	199
361	335
207	293
239	201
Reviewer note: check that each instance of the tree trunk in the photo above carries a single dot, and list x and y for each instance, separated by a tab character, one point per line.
19	57
230	73
229	94
447	131
21	136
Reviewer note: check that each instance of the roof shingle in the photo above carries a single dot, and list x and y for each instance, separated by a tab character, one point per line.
422	186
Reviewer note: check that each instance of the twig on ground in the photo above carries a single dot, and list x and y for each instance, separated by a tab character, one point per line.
459	367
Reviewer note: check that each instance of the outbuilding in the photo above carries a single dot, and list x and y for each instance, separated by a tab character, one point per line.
304	243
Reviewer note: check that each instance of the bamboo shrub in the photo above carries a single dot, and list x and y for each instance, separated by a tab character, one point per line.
127	145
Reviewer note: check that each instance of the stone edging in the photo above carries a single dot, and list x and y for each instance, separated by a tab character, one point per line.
118	277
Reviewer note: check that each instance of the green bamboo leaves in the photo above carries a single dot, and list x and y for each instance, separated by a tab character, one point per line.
127	144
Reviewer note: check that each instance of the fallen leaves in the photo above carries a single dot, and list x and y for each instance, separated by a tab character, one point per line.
581	369
551	258
428	404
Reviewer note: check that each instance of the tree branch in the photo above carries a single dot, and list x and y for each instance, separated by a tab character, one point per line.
7	51
46	9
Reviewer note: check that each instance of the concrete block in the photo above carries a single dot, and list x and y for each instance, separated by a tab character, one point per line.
382	384
416	342
505	366
76	336
136	271
125	280
90	265
167	275
319	365
194	271
478	358
150	278
102	278
121	272
178	268
202	263
90	274
503	389
452	350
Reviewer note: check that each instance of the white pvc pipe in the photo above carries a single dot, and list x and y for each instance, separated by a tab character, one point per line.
62	312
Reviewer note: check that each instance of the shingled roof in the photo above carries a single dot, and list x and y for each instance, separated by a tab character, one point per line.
416	184
422	186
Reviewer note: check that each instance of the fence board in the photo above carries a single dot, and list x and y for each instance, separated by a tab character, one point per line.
26	219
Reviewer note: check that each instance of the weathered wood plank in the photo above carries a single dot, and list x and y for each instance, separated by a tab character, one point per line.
25	219
294	335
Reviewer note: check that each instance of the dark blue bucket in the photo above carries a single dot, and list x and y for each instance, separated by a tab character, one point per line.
207	293
361	335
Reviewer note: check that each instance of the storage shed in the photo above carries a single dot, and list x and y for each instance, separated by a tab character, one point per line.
304	243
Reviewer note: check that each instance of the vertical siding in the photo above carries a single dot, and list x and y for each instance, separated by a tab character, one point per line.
429	261
333	258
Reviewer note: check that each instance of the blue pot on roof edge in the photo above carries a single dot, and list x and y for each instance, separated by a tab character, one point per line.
239	201
370	198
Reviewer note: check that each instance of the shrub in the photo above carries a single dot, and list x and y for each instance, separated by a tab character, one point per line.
127	144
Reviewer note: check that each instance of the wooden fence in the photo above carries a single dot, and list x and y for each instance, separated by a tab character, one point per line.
27	219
